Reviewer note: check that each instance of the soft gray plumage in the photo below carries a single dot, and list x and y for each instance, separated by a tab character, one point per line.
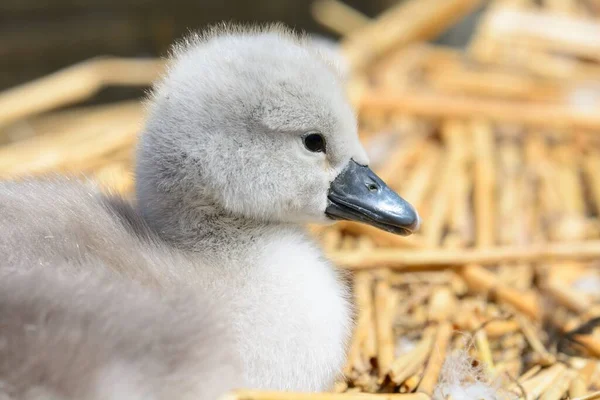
223	183
58	221
71	328
90	336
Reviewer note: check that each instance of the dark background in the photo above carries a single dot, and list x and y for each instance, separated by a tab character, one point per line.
40	36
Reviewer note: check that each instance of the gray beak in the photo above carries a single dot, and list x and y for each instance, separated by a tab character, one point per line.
358	194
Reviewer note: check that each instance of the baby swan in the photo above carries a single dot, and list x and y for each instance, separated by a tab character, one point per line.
249	136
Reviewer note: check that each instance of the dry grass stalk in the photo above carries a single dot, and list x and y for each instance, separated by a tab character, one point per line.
485	183
534	341
385	303
356	88
483	281
433	277
591	343
588	370
75	84
436	258
591	165
338	16
410	384
348	243
566	7
355	365
442	305
591	396
331	239
405	153
458	78
398	70
545	31
317	230
367	383
440	206
449	106
559	387
438	354
404	23
535	386
73	149
421	178
569	179
537	62
484	351
265	395
56	121
498	328
529	374
566	296
340	387
407	365
364	343
535	164
578	387
460	219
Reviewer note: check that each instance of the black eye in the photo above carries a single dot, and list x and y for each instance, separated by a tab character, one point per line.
315	142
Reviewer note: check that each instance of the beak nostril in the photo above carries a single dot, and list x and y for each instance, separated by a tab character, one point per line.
372	187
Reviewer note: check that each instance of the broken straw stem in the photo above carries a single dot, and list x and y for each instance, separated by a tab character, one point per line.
436	359
433	258
592	396
438	105
264	395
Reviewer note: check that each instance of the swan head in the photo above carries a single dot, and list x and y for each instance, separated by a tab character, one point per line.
256	121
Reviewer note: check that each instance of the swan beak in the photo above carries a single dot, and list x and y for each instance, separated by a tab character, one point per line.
358	194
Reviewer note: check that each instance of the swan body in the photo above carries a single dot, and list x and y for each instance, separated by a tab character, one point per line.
91	336
249	136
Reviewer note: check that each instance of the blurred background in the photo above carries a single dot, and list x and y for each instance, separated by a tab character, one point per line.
40	36
485	115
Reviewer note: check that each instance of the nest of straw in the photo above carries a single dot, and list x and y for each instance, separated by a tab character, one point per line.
497	147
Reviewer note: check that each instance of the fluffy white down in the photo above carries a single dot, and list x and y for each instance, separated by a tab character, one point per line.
293	319
460	380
